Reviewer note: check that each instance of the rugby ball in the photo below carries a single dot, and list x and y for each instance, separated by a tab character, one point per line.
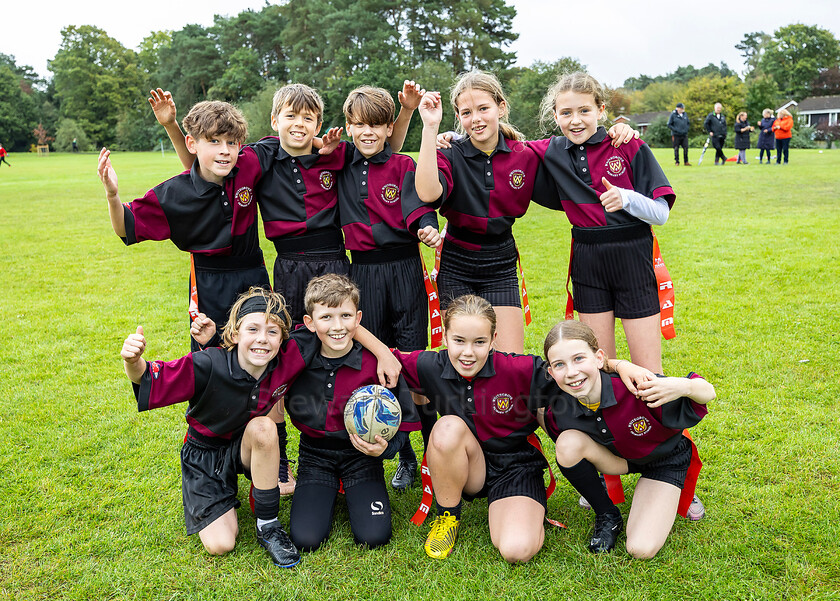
372	410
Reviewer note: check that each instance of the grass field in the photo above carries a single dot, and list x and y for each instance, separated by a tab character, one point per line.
91	488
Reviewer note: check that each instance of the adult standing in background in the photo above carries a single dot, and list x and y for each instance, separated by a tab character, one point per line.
678	124
783	130
766	139
742	136
715	125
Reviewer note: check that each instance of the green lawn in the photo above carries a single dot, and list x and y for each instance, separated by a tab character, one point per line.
91	488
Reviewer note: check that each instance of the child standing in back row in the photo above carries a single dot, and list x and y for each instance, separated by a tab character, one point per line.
209	211
611	196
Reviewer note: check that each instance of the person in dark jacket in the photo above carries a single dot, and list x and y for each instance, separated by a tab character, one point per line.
715	125
678	124
742	136
766	139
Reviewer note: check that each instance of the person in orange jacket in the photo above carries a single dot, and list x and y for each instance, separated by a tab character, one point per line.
782	129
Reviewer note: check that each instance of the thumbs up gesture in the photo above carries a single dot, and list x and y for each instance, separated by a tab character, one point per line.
611	199
134	346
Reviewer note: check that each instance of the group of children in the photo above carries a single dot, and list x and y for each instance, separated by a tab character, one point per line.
320	196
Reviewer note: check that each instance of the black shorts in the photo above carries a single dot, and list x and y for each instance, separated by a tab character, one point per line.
209	481
393	301
671	468
326	461
219	281
614	275
514	474
292	272
489	273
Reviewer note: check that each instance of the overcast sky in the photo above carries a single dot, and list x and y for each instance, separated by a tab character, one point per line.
631	38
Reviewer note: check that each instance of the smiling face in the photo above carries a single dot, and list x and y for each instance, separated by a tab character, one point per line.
216	156
468	342
257	343
479	116
369	139
335	327
296	129
576	368
577	115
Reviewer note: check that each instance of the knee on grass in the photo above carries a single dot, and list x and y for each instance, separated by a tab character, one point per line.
518	550
219	545
642	549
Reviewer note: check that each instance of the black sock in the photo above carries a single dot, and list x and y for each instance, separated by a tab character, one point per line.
407	452
584	478
266	503
282	439
453	511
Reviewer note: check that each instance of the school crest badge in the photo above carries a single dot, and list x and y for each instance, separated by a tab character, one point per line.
244	196
502	403
615	166
517	179
639	426
327	180
390	194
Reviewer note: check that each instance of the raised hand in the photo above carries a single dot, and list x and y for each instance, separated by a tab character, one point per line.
330	140
163	106
134	346
411	95
106	172
431	109
202	329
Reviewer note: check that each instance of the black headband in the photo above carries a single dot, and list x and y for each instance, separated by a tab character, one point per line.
255	304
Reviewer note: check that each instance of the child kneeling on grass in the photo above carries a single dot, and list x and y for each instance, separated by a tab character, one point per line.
601	424
232	393
329	457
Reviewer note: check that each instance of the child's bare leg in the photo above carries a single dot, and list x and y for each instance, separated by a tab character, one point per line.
603	324
510	330
644	341
573	446
219	537
516	527
260	453
651	517
456	462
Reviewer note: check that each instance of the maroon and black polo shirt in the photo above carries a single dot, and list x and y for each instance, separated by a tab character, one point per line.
222	396
624	423
483	195
378	205
576	171
499	404
315	402
199	216
298	197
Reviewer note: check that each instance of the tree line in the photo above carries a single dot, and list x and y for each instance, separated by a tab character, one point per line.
97	88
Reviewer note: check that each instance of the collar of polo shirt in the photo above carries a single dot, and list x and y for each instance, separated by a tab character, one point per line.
472	151
596	138
380	157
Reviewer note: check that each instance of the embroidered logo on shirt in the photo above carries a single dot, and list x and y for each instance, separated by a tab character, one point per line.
154	367
615	166
326	179
279	391
244	196
639	426
502	403
517	179
390	194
